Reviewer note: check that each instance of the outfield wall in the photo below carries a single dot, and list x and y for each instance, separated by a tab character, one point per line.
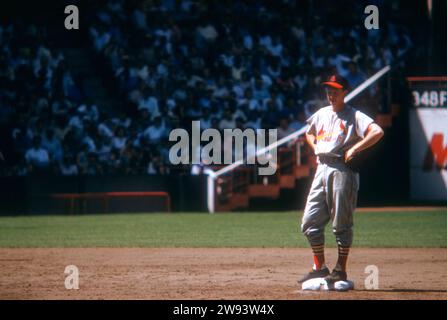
30	195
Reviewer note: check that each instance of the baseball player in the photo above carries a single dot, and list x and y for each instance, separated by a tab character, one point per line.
337	134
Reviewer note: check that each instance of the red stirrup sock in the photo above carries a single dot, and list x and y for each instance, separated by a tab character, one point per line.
318	251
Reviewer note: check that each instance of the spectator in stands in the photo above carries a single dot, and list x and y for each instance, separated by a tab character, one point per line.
155	132
254	120
206	33
205	121
228	122
299	121
354	76
103	148
94	167
37	157
149	102
284	128
119	140
52	144
89	111
68	167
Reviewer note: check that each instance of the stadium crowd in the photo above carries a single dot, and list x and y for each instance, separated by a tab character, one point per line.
229	64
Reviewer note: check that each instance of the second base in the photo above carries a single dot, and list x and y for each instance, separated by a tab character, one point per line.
319	284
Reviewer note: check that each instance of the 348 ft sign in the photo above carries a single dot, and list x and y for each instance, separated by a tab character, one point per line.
430	98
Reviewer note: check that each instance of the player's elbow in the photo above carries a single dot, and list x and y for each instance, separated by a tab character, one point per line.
377	132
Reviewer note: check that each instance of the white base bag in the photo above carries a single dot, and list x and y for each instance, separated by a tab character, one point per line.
318	284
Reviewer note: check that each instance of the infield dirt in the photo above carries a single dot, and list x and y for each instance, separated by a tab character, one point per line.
208	273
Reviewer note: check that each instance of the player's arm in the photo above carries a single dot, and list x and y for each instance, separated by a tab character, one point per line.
373	134
311	140
311	132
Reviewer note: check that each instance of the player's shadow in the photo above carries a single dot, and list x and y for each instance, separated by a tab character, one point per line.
404	290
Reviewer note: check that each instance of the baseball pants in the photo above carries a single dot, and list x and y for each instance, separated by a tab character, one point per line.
332	196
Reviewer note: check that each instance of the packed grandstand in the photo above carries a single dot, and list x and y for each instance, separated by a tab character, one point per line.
229	64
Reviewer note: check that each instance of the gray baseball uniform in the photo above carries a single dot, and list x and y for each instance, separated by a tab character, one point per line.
333	194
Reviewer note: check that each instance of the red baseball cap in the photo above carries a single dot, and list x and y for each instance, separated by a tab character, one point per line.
336	81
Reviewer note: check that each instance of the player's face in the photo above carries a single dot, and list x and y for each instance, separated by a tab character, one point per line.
335	96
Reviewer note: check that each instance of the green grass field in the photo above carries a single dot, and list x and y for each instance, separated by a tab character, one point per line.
273	229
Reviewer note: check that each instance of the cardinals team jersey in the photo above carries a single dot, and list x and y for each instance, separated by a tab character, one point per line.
336	132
